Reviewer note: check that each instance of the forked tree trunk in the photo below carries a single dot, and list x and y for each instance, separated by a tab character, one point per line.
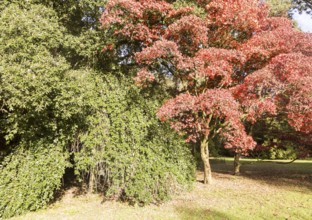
237	163
204	153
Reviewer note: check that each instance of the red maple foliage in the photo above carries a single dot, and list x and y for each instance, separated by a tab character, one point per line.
284	85
212	111
230	61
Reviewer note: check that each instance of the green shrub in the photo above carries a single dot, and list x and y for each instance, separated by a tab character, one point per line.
52	98
29	177
127	152
43	104
288	152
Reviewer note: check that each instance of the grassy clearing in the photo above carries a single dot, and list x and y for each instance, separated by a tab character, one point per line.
265	190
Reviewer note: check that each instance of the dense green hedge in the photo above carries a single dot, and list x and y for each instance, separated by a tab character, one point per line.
127	152
59	108
29	177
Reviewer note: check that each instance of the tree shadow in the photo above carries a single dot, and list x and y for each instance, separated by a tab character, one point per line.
69	187
200	213
294	174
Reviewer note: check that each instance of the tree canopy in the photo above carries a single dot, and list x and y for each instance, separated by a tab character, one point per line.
212	50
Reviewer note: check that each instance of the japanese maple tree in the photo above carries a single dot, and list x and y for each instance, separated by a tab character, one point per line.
216	53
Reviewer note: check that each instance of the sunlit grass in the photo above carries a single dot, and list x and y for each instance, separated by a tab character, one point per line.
264	190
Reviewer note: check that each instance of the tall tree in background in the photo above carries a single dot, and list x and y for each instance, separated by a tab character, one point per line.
207	49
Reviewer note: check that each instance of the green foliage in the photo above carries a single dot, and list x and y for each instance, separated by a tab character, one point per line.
279	140
31	72
288	153
42	105
197	10
279	7
130	154
39	94
57	100
29	177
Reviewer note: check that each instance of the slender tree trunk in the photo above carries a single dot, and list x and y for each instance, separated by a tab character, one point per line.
237	164
91	182
204	153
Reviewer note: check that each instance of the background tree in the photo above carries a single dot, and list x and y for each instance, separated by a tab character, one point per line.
302	6
279	8
278	140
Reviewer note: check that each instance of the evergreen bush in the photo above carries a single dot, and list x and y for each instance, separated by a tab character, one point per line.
127	153
29	177
58	101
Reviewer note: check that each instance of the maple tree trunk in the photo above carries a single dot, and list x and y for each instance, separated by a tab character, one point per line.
204	153
237	164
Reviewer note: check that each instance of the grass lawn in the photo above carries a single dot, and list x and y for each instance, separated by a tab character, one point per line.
265	190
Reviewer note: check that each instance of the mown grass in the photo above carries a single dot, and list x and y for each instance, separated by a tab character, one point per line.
264	190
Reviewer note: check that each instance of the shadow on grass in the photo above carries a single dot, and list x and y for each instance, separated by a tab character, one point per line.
295	174
200	213
70	186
